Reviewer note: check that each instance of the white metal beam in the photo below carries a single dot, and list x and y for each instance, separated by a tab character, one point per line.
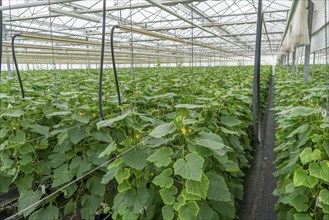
34	4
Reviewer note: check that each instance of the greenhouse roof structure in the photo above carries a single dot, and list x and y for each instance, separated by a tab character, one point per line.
166	31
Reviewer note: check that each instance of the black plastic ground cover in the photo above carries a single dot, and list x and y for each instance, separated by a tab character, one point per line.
258	202
8	202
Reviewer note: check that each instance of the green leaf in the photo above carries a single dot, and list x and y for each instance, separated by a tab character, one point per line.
82	118
166	95
76	134
307	155
161	157
164	180
27	199
299	202
213	142
301	178
141	199
3	132
179	203
188	211
168	195
112	147
122	174
69	207
301	216
24	183
62	175
218	190
4	183
57	159
324	196
198	188
168	212
51	213
89	204
109	122
58	114
95	186
226	209
128	214
303	111
325	208
232	166
321	171
227	131
40	129
301	129
70	190
109	175
62	137
206	212
102	136
18	138
25	149
326	146
190	167
14	113
25	159
135	158
189	106
124	186
188	196
79	166
230	121
163	130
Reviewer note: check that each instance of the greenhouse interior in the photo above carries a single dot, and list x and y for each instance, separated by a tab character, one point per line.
164	109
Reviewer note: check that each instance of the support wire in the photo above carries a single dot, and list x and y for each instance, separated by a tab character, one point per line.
326	46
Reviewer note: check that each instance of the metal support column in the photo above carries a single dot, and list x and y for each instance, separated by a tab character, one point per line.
4	32
313	67
308	47
293	61
287	65
88	59
256	86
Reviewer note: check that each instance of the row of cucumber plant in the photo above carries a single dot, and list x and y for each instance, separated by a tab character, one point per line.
302	146
177	148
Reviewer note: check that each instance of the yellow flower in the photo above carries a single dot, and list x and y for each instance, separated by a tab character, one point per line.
14	128
82	113
137	136
94	115
327	164
183	131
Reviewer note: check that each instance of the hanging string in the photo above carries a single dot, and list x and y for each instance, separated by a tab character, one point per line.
326	46
132	64
1	52
52	52
11	35
192	38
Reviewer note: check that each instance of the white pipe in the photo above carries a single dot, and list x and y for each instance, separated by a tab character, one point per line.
35	4
74	15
